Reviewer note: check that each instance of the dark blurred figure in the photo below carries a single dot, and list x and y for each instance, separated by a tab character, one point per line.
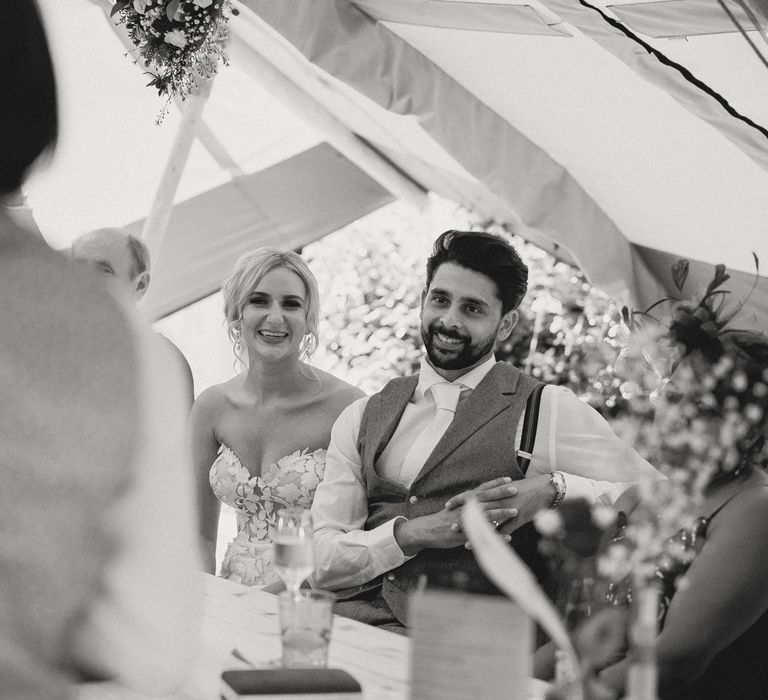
83	592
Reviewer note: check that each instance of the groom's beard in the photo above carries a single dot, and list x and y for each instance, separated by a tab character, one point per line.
464	354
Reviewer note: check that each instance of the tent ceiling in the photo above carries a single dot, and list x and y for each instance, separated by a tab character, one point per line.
678	18
576	122
286	205
466	16
596	140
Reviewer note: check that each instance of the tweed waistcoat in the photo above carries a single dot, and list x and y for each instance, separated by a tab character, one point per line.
479	445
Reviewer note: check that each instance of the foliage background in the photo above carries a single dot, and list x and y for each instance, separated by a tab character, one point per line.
371	276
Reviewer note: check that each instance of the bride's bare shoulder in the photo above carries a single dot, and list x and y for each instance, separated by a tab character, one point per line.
218	396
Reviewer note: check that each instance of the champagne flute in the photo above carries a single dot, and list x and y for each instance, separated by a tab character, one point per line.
293	555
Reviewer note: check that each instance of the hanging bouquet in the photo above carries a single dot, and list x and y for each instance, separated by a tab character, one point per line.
179	40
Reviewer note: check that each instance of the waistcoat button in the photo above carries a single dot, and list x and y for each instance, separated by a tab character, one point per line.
413	499
390	577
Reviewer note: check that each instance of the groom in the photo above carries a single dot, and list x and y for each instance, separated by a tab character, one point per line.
400	462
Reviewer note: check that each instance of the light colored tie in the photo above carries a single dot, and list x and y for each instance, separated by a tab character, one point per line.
446	397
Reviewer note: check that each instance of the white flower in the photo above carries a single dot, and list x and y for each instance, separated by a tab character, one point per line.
603	516
753	412
548	522
630	389
739	381
176	37
140	6
699	426
614	564
699	444
202	3
723	366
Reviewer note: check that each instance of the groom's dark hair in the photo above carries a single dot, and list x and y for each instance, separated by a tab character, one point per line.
487	254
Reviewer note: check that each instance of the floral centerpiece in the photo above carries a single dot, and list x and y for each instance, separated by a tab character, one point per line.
180	41
698	414
701	381
573	541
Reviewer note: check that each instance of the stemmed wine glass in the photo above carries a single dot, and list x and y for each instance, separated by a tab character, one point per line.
293	555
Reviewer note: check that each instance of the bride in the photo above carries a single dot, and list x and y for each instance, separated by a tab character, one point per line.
259	439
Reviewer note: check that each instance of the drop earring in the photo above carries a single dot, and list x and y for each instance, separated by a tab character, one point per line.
238	344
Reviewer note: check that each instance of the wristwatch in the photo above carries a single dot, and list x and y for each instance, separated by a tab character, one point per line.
557	482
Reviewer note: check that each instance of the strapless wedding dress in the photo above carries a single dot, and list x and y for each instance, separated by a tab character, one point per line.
256	499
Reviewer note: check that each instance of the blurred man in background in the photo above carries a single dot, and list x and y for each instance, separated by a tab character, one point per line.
124	258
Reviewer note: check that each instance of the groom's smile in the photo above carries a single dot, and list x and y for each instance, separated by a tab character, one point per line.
446	341
461	317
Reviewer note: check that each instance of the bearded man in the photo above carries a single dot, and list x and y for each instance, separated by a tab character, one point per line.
402	462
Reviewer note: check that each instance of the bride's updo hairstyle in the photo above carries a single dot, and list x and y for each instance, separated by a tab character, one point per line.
248	271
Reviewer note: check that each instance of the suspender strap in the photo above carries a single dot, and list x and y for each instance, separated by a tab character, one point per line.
531	420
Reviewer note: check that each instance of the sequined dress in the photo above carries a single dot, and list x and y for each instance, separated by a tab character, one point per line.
256	499
740	670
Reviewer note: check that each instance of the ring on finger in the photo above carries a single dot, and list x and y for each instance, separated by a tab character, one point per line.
495	523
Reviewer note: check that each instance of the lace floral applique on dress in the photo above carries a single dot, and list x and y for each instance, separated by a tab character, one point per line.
256	499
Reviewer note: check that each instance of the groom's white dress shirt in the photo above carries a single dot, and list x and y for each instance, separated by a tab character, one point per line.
571	437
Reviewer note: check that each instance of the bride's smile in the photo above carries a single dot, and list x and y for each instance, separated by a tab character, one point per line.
274	318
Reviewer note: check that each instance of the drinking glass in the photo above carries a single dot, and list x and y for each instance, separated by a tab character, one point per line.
305	627
293	556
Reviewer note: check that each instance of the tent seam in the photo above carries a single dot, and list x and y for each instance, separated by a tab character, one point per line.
684	72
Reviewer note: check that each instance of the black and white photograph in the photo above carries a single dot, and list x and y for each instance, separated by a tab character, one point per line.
384	349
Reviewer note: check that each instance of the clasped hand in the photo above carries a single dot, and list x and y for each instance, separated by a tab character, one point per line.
507	505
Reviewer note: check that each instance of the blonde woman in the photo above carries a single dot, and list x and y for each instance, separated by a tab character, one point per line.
259	439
